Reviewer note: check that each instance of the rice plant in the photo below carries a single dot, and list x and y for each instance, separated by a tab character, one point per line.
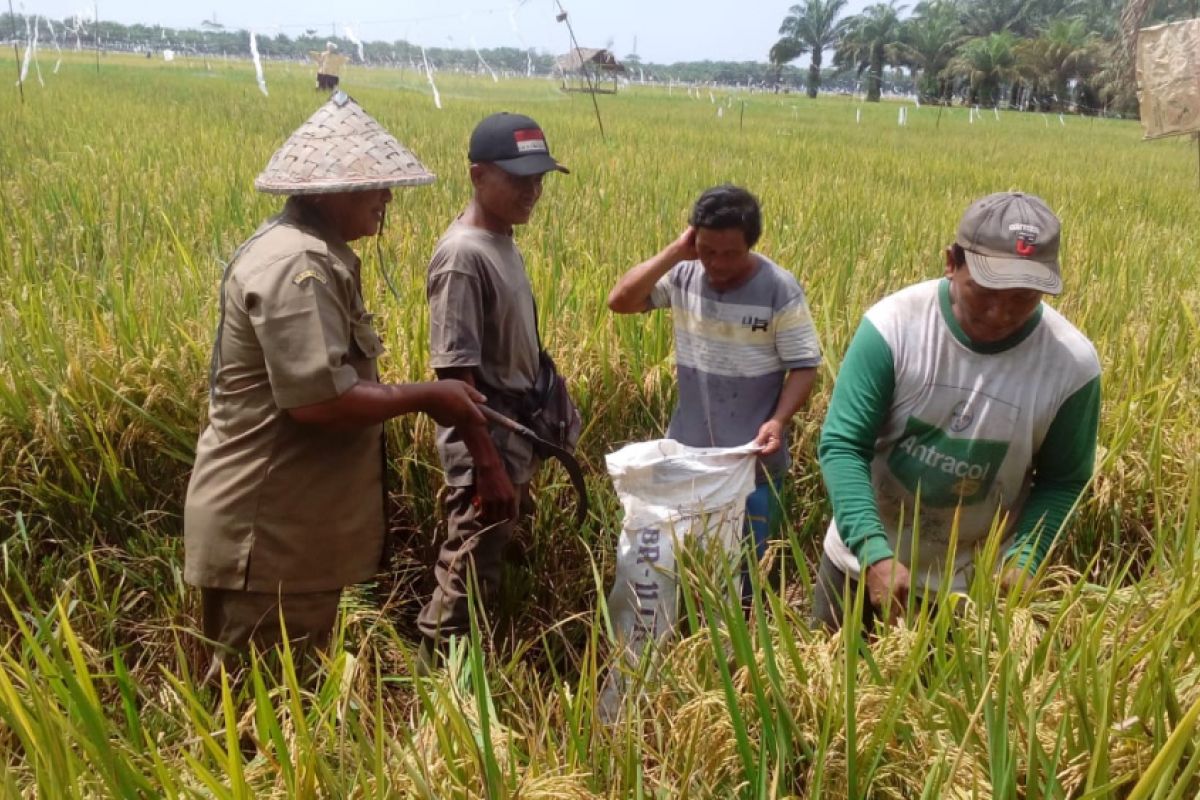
122	195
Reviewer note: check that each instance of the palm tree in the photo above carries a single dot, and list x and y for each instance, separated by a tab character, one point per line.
985	17
782	52
870	40
1064	52
928	41
987	62
813	27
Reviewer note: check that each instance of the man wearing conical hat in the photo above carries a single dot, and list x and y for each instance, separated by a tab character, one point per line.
285	506
483	330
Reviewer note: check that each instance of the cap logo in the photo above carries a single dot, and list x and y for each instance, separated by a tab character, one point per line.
1026	244
530	140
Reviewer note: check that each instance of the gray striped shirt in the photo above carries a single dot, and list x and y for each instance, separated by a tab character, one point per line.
733	350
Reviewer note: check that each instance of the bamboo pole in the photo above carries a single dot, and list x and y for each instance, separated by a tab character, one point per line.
562	17
16	52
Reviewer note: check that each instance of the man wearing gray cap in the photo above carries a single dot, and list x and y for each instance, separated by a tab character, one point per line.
483	331
966	402
285	506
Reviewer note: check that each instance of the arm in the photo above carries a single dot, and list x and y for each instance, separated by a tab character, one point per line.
494	492
631	295
799	351
450	403
797	387
862	396
1062	468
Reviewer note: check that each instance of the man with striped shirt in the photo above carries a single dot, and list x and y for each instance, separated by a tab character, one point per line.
745	349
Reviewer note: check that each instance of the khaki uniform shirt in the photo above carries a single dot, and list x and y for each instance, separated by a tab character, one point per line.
328	62
481	316
274	505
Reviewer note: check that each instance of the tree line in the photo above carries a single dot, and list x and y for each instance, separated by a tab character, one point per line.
212	39
1049	55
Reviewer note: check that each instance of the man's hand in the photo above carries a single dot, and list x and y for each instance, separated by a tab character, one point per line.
494	494
454	404
1014	578
888	583
632	293
770	437
684	248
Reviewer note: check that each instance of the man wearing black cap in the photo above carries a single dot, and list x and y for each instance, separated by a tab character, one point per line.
483	330
966	403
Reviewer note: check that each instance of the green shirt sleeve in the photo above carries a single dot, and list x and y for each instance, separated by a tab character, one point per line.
862	397
1061	470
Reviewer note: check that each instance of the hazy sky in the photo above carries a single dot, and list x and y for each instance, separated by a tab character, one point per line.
664	30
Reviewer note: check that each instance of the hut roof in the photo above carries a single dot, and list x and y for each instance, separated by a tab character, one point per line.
574	60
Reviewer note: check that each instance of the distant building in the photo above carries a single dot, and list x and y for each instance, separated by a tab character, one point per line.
583	68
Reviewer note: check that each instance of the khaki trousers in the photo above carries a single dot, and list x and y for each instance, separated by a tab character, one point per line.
470	546
234	620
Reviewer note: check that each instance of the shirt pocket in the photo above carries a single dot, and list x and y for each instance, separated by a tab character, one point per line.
365	348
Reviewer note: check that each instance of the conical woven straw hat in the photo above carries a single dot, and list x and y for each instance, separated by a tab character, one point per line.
340	148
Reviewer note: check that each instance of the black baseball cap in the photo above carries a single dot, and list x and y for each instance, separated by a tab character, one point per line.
513	142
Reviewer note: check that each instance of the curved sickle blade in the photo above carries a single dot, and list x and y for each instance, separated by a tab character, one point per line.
569	462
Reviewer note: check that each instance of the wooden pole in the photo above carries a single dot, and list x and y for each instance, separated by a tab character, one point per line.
742	117
16	52
562	17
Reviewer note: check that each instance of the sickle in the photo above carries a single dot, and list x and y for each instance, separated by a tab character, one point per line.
554	451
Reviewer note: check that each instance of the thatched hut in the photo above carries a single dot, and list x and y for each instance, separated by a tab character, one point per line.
583	68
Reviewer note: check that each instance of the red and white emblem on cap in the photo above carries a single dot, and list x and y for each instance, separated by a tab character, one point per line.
1026	244
530	140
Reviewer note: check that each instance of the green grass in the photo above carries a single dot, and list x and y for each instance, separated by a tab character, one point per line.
122	194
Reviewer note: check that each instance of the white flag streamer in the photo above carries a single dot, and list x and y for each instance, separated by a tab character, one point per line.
28	51
1046	120
258	73
57	49
712	99
512	20
902	119
354	39
33	46
858	116
491	72
437	98
720	111
996	111
1062	121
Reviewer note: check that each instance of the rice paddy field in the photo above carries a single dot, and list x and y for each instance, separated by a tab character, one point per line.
121	193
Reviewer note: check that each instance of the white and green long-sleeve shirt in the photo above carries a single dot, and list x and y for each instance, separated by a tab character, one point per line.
999	432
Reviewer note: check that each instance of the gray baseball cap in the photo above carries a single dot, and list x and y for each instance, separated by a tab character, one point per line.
1011	242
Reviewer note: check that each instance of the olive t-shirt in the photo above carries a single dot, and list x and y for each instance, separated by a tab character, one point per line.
482	317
